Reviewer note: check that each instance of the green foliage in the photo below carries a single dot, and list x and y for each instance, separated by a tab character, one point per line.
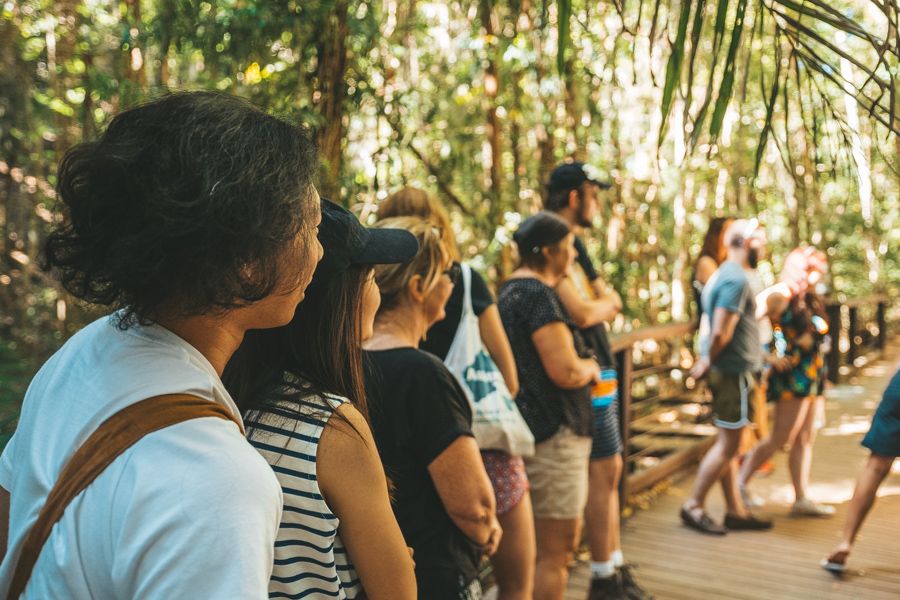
693	108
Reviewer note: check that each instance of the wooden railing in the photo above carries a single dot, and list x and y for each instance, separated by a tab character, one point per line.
856	326
666	424
647	388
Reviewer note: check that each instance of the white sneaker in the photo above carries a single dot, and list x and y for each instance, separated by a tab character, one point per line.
750	499
808	508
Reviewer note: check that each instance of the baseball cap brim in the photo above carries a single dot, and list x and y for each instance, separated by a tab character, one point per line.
385	247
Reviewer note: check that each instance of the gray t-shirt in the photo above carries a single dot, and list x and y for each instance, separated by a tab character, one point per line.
729	288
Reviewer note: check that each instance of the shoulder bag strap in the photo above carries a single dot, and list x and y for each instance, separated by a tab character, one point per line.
466	276
114	436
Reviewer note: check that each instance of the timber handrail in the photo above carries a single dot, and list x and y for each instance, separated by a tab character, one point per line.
627	339
855	302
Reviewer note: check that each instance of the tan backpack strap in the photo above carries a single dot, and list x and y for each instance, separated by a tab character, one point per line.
114	436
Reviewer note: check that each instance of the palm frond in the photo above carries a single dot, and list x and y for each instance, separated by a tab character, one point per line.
727	85
564	8
770	110
673	67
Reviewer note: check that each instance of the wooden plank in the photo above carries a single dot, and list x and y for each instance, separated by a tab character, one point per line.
671	464
663	443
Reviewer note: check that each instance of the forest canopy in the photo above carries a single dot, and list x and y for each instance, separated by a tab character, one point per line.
782	109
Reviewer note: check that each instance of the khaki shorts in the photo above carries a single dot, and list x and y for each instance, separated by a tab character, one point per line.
732	398
558	475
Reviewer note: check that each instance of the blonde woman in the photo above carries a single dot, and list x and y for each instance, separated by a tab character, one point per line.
514	560
422	423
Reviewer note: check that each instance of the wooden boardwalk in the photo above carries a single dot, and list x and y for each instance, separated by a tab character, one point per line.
679	564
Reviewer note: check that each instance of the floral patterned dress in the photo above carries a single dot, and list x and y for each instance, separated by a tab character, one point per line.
803	346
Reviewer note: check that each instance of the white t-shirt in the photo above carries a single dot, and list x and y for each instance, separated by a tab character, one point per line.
190	511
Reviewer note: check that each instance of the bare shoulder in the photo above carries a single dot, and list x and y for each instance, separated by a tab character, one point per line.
347	452
706	266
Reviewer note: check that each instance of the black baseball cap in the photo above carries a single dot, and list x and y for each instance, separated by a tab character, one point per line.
347	242
569	176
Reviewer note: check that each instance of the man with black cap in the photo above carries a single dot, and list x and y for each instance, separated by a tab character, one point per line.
572	194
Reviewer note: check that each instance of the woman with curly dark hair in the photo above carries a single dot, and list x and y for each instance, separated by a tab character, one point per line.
193	219
302	392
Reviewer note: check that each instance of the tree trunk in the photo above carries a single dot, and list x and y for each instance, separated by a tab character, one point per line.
332	88
492	129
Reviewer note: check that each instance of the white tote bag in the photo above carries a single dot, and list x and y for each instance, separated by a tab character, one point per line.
496	423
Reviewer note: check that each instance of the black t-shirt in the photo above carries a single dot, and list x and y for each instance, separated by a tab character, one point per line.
417	410
441	334
595	336
526	305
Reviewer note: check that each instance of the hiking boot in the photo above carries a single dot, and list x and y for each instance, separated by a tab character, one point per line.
607	588
808	508
748	523
631	588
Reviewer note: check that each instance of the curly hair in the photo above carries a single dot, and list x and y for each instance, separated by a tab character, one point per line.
183	205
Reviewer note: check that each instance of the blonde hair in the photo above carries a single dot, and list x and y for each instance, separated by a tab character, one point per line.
429	262
415	202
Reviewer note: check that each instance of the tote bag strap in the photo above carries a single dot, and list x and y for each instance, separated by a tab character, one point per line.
467	291
113	437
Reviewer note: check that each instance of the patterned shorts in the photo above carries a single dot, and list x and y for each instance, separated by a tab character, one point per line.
507	475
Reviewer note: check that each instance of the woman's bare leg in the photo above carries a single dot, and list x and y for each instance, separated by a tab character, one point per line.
514	560
789	415
875	471
556	543
800	457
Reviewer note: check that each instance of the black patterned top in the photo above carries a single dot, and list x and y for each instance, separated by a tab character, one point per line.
527	304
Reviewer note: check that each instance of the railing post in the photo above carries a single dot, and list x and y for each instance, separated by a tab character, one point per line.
853	349
625	360
834	357
881	316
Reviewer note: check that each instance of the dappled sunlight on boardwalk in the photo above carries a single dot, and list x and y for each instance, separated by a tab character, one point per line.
677	563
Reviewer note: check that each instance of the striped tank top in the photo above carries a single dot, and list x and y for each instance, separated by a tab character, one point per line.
310	559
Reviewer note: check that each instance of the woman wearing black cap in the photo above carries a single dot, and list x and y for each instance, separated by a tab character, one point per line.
301	390
555	374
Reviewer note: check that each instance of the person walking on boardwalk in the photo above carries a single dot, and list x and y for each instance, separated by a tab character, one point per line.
729	355
797	315
883	442
194	218
572	194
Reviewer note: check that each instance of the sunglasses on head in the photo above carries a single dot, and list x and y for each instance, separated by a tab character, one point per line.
454	272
